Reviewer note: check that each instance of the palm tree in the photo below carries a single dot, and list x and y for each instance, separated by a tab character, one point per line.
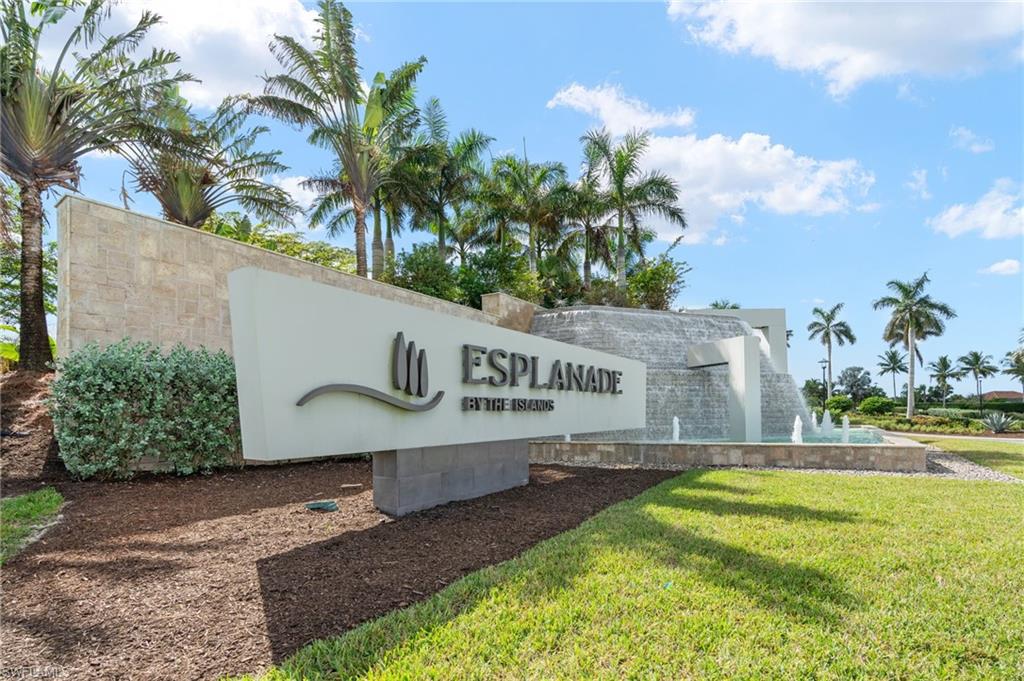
943	371
52	117
915	317
451	172
1014	363
526	195
830	329
892	362
320	89
632	194
980	366
194	167
586	210
724	304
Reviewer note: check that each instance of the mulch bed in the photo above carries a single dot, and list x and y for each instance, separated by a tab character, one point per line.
28	452
192	578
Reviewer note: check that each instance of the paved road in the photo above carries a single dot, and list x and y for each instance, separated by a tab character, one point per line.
986	438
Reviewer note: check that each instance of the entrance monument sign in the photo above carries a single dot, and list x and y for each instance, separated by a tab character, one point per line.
323	371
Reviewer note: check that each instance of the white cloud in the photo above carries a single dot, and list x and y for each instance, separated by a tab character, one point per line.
618	112
871	207
998	214
224	43
293	185
918	184
1006	267
968	140
852	43
720	176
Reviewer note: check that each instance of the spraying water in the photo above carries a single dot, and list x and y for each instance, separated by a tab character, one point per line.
675	429
826	423
846	429
798	431
814	421
568	437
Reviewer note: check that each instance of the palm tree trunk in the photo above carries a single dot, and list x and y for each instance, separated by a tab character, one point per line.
389	244
34	341
981	402
531	250
378	242
828	389
942	387
359	208
620	256
440	235
586	258
894	386
910	372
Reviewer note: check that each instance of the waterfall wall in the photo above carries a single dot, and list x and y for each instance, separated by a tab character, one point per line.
699	397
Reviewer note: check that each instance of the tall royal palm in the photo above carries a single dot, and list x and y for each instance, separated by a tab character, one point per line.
915	316
632	194
830	330
893	362
528	198
980	366
586	215
943	371
320	89
50	118
450	174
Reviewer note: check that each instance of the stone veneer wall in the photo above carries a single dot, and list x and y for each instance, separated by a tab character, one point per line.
124	274
897	455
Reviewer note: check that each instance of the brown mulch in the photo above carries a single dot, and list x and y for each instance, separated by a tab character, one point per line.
192	578
28	452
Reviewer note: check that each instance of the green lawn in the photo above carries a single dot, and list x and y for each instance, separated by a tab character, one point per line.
730	574
1006	456
20	516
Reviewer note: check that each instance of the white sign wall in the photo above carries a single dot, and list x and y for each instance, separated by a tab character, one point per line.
323	370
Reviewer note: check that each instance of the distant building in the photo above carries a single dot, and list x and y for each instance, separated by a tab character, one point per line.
1003	395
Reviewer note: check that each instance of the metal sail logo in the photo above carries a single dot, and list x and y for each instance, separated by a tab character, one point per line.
408	373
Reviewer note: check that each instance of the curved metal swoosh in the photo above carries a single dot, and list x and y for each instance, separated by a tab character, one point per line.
370	392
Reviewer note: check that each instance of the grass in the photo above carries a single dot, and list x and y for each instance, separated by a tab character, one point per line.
22	515
729	574
1006	456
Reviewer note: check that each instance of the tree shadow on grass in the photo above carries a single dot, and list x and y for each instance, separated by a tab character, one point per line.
360	583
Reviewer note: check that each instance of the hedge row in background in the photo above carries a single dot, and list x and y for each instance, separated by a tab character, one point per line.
112	406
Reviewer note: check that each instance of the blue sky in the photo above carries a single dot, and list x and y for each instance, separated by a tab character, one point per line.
821	150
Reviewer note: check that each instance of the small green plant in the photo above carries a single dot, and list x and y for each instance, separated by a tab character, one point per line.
22	515
997	421
656	284
839	404
875	406
112	406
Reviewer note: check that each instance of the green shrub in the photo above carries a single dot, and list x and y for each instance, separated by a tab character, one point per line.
950	413
838	404
921	424
875	405
424	270
497	268
655	284
112	406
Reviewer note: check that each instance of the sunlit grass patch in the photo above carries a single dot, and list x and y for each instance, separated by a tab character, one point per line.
22	515
725	574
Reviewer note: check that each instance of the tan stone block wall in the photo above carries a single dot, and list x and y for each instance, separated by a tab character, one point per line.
900	455
511	312
124	274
